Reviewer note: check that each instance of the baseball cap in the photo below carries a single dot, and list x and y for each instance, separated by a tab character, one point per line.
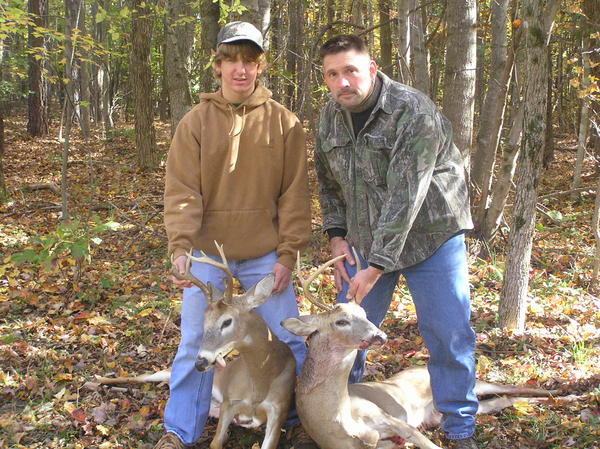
238	31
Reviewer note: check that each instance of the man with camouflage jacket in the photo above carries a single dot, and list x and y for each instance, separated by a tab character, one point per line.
393	186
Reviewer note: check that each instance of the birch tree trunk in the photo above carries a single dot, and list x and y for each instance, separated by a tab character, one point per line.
419	52
179	39
37	123
460	71
141	83
539	16
258	13
492	113
584	121
209	15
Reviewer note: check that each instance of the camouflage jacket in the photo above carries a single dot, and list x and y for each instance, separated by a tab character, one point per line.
399	188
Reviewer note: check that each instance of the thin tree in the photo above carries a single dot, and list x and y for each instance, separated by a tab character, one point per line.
460	71
419	51
385	38
141	83
404	42
179	40
293	55
37	123
209	15
84	81
539	17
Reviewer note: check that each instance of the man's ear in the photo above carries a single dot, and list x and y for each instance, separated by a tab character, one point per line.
373	69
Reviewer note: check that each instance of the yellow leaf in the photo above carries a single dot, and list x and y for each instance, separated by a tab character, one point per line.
63	376
523	408
146	312
574	82
69	407
102	429
98	320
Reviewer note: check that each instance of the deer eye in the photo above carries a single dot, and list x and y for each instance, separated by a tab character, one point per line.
342	323
226	323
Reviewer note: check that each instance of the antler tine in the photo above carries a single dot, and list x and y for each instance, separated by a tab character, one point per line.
306	282
223	265
358	266
188	276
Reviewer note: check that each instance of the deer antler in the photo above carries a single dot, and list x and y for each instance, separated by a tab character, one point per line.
223	265
306	282
188	276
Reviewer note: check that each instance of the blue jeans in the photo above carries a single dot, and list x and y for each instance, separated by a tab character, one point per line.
439	287
190	390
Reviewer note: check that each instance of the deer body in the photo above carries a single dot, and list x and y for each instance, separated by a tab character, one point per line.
368	414
256	388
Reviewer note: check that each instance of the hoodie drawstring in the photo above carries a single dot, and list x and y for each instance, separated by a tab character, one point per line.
237	126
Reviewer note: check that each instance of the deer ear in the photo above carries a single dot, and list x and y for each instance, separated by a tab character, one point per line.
302	326
260	292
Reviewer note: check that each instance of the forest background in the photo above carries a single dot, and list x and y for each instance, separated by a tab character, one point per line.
91	91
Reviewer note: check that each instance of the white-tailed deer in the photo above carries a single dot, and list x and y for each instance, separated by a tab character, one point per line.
369	414
255	388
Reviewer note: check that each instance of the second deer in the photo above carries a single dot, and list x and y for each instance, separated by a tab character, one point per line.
366	415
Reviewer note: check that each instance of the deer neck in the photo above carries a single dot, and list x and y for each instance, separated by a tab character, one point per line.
326	368
257	344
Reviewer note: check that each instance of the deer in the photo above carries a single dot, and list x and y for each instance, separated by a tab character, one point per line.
367	414
256	387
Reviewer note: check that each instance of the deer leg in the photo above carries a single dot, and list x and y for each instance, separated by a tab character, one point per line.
225	417
275	419
409	433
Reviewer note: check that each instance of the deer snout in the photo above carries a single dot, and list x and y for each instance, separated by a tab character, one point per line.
202	364
378	339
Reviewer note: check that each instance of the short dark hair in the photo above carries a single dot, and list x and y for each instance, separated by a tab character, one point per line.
343	42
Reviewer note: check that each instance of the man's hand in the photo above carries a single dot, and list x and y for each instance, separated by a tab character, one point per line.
179	263
340	246
362	282
282	277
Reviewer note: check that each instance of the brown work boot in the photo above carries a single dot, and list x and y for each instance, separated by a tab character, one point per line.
169	441
299	438
465	443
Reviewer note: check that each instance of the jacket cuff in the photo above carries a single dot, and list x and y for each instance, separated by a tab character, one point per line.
178	252
287	260
336	232
374	265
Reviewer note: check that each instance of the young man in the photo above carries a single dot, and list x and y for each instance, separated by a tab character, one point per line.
236	174
392	185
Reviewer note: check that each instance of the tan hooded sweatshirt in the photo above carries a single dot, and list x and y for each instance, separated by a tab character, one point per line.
238	176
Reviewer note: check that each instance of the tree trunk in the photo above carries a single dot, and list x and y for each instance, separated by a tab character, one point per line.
37	123
141	84
591	9
294	58
491	216
460	71
71	16
419	52
594	284
584	120
539	16
163	105
179	38
492	113
209	12
84	82
385	38
258	13
404	43
4	195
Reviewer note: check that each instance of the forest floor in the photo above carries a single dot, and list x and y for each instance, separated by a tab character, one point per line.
114	312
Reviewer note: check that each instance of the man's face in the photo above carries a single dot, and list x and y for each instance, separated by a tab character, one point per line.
349	75
238	78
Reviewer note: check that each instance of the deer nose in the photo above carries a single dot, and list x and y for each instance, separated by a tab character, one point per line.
379	339
202	364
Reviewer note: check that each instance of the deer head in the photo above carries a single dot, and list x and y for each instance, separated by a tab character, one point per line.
225	317
344	325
